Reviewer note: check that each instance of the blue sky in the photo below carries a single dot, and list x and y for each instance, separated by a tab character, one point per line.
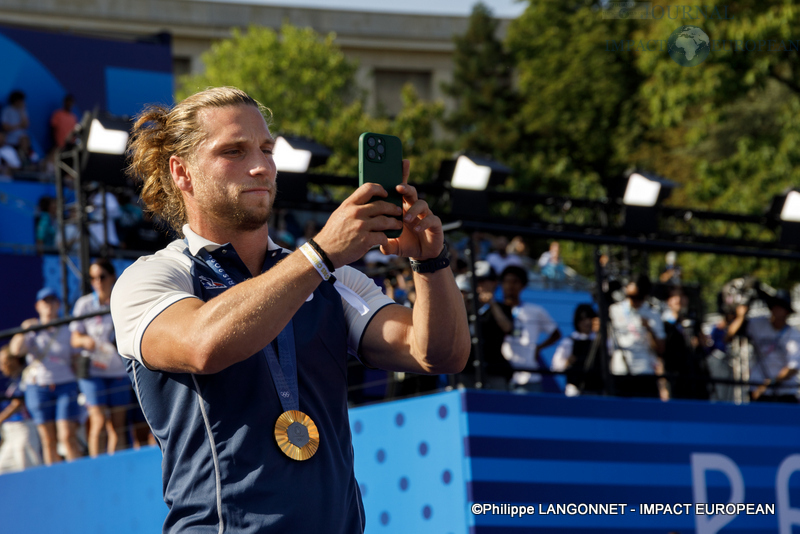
500	8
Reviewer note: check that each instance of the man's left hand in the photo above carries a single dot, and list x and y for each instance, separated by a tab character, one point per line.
422	236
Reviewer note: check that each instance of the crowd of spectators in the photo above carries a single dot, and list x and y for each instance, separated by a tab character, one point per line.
655	347
653	343
65	389
20	156
116	220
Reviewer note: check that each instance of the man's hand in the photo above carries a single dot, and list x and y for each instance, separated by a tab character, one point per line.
422	236
760	390
485	297
27	323
82	341
357	225
741	310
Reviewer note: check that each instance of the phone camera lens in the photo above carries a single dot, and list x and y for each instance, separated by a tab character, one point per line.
380	149
371	153
371	141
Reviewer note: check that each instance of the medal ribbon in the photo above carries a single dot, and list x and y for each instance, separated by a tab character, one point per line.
283	372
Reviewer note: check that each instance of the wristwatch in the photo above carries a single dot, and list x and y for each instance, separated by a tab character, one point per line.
433	264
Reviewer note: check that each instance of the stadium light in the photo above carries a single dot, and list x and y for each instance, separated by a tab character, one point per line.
785	210
474	173
790	212
467	178
298	154
106	140
646	190
103	139
643	193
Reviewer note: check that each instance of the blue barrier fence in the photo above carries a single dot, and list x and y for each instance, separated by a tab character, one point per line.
424	463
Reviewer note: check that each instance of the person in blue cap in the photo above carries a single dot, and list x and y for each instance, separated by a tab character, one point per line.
51	389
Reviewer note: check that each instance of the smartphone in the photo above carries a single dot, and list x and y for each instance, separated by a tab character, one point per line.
380	161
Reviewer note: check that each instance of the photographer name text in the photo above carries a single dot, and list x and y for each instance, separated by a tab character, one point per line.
515	510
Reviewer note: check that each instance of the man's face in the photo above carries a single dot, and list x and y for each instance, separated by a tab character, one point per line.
633	293
9	366
678	303
779	313
48	309
585	325
233	173
512	286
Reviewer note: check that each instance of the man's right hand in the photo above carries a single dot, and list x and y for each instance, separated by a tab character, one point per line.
357	225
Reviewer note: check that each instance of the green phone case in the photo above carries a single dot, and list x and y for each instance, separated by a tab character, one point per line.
380	161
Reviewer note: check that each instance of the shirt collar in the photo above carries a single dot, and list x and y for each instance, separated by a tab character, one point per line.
197	242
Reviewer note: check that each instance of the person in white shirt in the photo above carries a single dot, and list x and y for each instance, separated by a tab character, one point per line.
51	390
521	347
776	350
637	343
577	354
106	386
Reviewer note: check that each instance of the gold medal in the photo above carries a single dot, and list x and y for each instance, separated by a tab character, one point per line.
297	435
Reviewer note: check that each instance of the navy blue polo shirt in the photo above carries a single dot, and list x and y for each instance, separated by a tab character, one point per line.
222	468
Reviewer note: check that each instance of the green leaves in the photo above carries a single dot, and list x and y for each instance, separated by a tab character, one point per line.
303	78
309	85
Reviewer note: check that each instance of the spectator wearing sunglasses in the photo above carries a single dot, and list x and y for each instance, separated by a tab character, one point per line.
102	376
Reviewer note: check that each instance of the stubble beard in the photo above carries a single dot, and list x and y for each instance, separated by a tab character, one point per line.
229	211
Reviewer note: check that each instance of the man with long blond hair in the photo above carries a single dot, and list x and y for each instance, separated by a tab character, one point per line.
237	348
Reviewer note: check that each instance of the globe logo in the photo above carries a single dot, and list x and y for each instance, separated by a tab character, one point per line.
688	46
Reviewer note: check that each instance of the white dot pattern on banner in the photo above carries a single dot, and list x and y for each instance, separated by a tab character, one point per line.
409	453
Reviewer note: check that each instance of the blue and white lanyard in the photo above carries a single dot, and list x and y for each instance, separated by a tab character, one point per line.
283	370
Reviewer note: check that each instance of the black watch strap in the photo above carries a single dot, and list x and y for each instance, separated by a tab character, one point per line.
434	264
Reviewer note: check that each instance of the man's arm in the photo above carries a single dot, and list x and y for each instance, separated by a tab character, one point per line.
505	323
736	324
657	344
663	386
785	374
81	341
657	337
206	337
552	338
433	337
17	344
11	409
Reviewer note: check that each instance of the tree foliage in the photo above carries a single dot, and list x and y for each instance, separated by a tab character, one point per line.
566	107
577	101
729	126
303	78
586	109
310	86
482	87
